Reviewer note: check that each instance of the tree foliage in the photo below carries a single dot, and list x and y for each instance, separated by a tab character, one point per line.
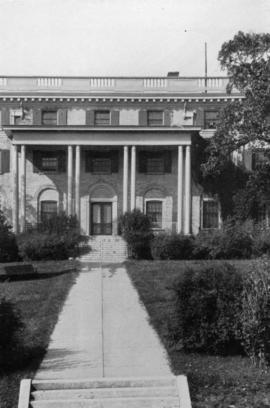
247	60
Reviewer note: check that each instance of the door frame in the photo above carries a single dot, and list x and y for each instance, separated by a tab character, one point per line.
101	203
114	203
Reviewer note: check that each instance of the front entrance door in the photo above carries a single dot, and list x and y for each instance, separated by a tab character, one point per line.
101	219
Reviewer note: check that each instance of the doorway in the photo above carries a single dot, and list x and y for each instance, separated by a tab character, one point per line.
101	218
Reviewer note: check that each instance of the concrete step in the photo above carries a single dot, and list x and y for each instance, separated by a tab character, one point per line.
103	383
133	402
122	392
106	249
141	392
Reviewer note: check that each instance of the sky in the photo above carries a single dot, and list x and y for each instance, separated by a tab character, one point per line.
121	37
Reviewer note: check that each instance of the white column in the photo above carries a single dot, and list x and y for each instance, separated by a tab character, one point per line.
77	182
125	180
180	190
187	190
133	179
69	184
23	187
15	200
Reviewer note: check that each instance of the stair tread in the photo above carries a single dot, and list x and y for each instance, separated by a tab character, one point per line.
114	392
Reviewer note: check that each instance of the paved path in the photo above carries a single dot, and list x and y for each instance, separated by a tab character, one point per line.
103	331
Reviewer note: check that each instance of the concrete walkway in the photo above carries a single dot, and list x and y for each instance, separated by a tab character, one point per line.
103	331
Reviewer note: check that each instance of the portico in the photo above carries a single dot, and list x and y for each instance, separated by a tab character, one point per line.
129	144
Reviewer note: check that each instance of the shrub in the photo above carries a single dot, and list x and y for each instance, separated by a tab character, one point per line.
172	246
56	239
261	242
8	245
11	325
255	314
233	241
136	230
209	303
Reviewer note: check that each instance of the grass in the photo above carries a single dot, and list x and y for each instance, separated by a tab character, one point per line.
38	302
215	382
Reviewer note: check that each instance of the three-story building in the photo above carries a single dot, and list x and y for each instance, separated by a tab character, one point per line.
98	147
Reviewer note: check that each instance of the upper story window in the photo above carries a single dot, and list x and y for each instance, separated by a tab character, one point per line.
210	213
49	118
98	162
211	119
102	118
155	118
260	158
49	161
154	212
155	162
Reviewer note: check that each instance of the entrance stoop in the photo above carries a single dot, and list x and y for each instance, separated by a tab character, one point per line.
106	249
146	392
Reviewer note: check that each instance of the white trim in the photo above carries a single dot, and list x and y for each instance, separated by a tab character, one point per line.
215	199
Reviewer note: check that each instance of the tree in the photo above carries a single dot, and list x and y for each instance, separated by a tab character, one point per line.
245	121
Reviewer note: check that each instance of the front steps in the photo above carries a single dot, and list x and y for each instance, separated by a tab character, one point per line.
106	249
147	392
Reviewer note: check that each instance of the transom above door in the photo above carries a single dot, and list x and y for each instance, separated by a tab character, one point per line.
101	218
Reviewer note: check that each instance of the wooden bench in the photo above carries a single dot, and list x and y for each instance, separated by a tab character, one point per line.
17	270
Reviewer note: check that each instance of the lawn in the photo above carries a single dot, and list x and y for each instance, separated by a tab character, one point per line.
215	382
39	302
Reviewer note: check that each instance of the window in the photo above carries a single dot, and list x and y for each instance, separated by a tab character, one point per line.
210	214
154	118
154	212
49	161
155	162
101	162
155	165
102	118
211	119
49	118
102	165
48	210
259	159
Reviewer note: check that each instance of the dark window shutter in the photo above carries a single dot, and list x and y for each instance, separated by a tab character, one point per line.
142	162
142	118
5	161
200	118
115	161
37	156
253	161
37	117
115	118
5	117
62	117
90	117
168	161
88	162
62	161
167	118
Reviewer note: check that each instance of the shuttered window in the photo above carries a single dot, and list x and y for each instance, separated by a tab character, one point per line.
155	118
49	161
211	119
102	118
155	162
260	158
4	161
210	214
49	118
48	210
154	213
102	162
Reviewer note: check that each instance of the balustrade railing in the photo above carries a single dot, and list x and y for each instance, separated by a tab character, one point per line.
114	84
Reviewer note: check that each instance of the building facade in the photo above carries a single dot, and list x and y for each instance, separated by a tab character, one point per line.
98	147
